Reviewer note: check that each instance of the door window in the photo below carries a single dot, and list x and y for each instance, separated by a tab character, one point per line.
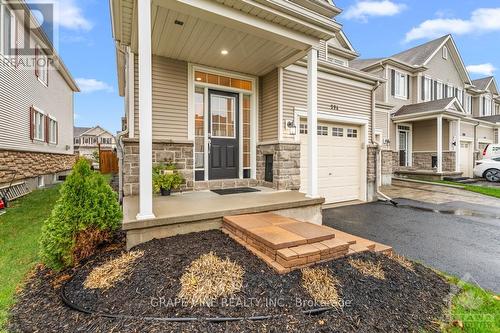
403	148
223	116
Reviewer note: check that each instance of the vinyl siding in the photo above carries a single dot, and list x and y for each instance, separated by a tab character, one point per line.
424	135
381	123
351	100
485	133
170	99
19	90
268	110
467	129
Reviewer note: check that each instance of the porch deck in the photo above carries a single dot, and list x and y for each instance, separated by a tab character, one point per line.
204	210
425	174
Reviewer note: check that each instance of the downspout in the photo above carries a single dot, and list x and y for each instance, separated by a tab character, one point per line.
378	159
476	146
120	148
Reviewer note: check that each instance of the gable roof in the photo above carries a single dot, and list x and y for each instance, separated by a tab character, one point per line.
483	83
437	105
419	56
77	131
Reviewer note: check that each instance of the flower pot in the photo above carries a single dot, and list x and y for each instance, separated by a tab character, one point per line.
165	192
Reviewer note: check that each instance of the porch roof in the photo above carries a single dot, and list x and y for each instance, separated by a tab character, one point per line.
447	106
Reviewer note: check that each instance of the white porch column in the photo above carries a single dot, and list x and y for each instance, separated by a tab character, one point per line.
145	112
457	145
312	123
439	140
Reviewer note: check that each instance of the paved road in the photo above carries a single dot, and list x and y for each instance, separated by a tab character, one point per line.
467	246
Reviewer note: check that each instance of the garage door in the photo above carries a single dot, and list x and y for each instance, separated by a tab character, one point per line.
466	158
339	161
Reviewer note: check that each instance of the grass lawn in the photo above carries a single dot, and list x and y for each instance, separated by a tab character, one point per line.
490	191
20	228
474	310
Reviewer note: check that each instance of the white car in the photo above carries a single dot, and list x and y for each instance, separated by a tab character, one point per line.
489	169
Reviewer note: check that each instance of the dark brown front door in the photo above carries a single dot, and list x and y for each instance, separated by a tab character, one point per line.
223	134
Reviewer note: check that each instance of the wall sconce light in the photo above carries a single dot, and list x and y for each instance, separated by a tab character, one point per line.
292	128
454	142
387	142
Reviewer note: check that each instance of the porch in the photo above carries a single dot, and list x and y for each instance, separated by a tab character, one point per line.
428	137
204	210
201	79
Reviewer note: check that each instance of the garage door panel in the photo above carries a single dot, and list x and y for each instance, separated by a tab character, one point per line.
339	165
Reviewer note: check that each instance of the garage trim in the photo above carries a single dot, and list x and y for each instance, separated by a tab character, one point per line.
358	121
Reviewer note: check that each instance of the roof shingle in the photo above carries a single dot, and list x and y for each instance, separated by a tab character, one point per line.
436	105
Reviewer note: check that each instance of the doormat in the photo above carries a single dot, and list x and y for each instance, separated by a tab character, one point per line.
235	190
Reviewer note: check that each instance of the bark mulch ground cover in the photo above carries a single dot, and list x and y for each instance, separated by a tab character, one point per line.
404	301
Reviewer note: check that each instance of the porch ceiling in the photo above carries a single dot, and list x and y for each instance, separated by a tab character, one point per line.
201	41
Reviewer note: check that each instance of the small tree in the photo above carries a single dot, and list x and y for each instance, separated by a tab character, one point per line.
86	214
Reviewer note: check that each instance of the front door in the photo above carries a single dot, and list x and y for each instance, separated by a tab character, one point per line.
403	148
223	134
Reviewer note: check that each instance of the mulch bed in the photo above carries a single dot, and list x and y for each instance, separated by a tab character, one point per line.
405	301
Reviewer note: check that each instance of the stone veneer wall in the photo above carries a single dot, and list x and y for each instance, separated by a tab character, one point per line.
286	165
423	160
33	164
178	153
371	164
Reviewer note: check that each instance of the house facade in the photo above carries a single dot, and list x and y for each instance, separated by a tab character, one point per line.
36	102
432	119
88	140
229	92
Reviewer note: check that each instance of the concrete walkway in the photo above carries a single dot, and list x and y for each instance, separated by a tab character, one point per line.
436	194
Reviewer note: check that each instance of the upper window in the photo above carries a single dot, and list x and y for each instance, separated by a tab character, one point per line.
7	31
450	91
38	125
439	90
445	52
427	89
42	66
486	106
52	130
497	109
400	85
468	103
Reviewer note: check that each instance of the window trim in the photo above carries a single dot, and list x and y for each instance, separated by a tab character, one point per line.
13	23
39	69
52	140
445	52
43	136
439	89
397	85
427	92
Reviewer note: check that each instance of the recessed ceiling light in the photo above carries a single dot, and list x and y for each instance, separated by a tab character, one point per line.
224	52
198	79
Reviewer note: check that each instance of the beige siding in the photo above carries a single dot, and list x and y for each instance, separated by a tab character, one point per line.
444	70
485	133
467	129
351	100
381	123
170	99
424	135
19	90
268	106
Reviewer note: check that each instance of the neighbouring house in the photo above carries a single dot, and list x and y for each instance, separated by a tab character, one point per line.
88	140
432	120
240	94
36	102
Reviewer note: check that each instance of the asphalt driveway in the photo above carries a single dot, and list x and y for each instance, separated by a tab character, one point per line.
466	245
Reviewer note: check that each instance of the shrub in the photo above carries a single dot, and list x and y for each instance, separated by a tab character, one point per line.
87	207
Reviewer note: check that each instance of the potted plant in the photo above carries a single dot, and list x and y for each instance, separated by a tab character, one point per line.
166	178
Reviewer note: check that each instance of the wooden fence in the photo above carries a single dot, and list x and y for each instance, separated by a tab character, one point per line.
108	161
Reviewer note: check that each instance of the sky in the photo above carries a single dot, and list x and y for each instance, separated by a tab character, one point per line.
87	48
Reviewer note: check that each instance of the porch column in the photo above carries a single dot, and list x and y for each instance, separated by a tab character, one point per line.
439	140
145	112
312	123
457	145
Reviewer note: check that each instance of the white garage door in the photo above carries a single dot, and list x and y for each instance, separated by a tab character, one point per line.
466	158
339	162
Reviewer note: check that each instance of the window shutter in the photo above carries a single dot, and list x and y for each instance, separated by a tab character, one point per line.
37	70
484	106
423	88
408	86
47	129
434	91
445	90
393	82
32	123
57	133
456	92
